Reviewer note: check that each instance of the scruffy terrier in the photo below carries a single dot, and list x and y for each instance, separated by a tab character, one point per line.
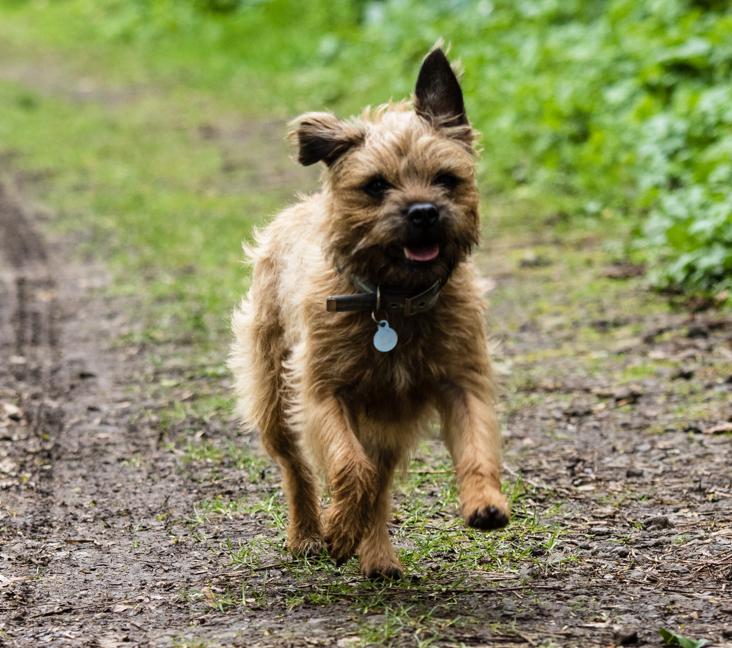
364	319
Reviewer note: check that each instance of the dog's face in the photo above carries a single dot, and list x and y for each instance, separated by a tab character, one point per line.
400	183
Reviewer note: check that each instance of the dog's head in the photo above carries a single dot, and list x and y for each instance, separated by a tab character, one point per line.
400	182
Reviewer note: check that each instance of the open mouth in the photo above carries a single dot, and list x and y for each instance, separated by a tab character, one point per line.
422	253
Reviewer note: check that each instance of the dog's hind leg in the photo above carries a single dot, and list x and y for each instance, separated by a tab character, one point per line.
257	361
470	430
304	535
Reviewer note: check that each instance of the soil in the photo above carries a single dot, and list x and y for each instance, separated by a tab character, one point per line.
97	498
83	485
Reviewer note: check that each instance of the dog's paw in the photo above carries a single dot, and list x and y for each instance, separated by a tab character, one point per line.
309	545
387	568
342	536
384	573
343	527
341	542
340	547
490	511
487	518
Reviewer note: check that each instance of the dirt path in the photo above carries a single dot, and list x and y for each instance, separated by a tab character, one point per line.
85	491
104	542
619	414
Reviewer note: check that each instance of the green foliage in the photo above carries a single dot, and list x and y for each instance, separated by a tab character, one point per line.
670	638
624	105
619	108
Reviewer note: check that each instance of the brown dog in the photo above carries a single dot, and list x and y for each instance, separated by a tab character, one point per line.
364	319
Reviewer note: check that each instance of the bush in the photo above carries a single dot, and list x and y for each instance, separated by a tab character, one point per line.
625	105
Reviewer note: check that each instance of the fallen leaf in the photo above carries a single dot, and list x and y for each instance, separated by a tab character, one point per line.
719	429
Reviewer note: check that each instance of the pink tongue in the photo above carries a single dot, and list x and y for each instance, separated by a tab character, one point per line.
428	253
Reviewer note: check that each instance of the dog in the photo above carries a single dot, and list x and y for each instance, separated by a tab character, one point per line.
364	319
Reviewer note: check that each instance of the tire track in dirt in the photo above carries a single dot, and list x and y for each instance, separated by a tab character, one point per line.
29	319
28	340
88	554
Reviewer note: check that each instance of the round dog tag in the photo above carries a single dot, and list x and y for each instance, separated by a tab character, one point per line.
385	338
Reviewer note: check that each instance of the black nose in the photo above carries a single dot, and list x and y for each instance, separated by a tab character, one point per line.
422	214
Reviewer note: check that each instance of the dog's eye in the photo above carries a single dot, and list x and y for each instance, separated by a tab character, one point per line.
376	187
446	180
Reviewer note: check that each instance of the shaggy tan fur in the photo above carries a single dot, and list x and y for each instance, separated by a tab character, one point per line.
325	401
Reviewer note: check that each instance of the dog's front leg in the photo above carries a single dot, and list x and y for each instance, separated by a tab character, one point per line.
350	475
376	553
470	430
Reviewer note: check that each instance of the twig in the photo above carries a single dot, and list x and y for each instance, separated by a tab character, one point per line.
278	565
530	482
428	472
477	590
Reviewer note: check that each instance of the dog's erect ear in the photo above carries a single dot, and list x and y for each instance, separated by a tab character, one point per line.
322	137
438	97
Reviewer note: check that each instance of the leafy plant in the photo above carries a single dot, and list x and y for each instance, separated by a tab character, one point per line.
674	639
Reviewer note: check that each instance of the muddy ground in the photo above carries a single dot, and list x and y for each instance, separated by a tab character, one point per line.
127	518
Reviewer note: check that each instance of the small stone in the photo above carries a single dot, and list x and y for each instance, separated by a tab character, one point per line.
579	410
683	374
634	472
509	609
693	428
317	621
657	522
533	260
696	331
8	467
626	636
13	412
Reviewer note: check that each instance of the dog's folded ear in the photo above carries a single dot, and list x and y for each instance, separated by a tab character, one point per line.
437	96
322	137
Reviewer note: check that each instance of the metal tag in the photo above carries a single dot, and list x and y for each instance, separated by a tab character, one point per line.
385	338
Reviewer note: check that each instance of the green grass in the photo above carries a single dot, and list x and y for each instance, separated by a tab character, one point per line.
435	547
143	188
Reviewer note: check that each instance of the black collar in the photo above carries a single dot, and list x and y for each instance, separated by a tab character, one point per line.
373	299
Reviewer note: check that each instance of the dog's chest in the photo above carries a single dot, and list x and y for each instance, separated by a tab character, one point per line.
392	385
